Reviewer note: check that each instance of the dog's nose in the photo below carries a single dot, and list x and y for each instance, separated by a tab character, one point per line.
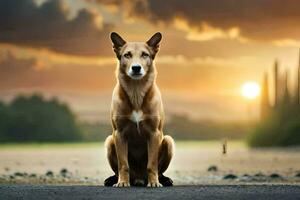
136	69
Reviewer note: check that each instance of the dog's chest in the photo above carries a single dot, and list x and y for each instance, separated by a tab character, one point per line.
136	116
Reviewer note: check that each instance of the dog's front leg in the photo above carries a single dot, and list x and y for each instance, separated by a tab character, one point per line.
152	166
123	167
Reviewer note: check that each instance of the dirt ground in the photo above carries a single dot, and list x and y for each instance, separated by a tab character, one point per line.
194	163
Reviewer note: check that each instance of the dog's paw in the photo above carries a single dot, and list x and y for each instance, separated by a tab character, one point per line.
122	184
154	184
165	181
110	181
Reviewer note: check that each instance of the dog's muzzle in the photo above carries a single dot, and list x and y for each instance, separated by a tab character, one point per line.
136	72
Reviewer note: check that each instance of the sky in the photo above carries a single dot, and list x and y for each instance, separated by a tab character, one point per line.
61	48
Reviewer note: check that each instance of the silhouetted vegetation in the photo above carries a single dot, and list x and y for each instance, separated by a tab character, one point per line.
278	129
180	127
280	123
95	131
36	119
183	128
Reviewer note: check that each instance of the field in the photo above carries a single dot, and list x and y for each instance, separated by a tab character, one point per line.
85	163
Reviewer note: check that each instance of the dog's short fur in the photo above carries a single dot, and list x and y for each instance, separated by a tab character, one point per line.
137	151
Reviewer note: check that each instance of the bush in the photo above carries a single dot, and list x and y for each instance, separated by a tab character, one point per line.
36	119
291	134
278	129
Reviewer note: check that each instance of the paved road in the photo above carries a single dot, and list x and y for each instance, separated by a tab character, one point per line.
40	192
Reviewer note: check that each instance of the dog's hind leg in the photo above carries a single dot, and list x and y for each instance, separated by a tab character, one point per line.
165	156
112	159
165	153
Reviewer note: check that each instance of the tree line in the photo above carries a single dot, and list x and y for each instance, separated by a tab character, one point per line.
35	119
279	122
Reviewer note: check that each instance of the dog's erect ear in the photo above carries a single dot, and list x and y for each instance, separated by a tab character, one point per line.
118	42
154	41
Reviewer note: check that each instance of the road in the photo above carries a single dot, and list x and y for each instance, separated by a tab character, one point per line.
207	192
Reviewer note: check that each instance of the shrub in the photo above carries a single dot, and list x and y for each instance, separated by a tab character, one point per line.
278	129
36	119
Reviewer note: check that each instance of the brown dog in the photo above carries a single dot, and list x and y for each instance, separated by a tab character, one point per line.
137	150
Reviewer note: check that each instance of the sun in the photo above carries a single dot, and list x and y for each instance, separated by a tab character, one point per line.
250	90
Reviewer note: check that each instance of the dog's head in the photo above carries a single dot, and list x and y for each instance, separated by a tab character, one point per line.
135	58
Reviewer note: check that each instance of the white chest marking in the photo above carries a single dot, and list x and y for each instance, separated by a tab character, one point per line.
136	116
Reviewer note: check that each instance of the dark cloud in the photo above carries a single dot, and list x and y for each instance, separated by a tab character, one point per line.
49	26
256	19
106	2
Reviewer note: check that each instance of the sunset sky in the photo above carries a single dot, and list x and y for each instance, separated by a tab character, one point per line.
209	50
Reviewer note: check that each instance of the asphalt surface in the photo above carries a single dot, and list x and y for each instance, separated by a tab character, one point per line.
253	192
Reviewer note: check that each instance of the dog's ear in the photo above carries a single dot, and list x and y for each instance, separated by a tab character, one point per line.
154	41
118	42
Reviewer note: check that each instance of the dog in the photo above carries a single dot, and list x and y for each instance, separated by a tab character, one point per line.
138	152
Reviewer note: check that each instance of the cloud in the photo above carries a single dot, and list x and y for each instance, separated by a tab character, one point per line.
13	69
263	20
10	64
287	42
35	73
49	26
207	32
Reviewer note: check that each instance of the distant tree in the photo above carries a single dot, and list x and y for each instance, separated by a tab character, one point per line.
281	126
297	99
276	84
265	101
36	119
3	120
286	93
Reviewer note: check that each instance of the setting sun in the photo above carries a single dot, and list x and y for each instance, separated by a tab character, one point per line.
250	90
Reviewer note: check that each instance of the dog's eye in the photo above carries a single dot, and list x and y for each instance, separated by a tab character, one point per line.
145	55
127	55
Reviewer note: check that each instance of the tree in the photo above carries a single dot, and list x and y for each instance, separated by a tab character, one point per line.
265	102
276	84
3	120
281	126
286	93
36	119
297	93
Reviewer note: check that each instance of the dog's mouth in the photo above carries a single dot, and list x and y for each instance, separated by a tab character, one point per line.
136	75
